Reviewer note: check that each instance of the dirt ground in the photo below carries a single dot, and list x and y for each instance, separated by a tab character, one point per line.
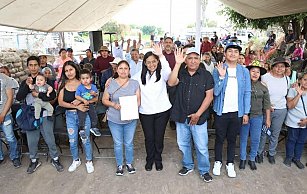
267	179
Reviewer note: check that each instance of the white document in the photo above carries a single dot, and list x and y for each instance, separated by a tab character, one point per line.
129	108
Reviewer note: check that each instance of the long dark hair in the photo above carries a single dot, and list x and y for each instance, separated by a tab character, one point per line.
119	63
64	77
145	69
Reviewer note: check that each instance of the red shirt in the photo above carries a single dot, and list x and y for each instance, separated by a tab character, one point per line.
205	47
102	63
170	58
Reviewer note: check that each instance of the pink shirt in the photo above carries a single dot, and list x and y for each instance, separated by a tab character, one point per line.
298	52
58	64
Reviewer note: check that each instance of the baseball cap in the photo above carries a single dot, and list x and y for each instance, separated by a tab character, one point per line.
233	45
192	50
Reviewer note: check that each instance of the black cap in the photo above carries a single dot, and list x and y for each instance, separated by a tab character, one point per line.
69	50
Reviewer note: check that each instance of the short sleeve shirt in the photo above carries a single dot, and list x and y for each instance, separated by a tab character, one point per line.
42	89
191	92
5	83
85	93
115	91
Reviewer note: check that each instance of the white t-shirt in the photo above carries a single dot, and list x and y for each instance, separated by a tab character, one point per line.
154	98
277	89
231	92
117	51
297	113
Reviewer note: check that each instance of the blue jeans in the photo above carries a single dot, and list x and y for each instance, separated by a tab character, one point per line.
72	122
7	128
200	139
277	119
123	135
253	127
295	142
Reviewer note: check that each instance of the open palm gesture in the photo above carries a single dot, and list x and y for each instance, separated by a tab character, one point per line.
179	56
157	49
221	69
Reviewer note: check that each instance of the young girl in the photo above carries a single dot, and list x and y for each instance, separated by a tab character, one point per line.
260	100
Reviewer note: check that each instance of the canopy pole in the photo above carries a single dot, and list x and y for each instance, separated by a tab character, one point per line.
198	25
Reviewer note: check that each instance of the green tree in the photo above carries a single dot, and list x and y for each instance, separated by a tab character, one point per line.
147	30
298	21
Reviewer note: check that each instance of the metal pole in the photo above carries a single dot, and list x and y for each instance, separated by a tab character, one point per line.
198	26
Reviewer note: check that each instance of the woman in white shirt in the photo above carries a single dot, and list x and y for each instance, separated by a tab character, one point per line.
155	105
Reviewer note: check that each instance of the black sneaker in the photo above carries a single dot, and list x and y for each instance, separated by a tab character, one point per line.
119	171
16	163
56	163
33	166
95	131
287	162
242	164
271	159
298	164
207	177
184	171
130	169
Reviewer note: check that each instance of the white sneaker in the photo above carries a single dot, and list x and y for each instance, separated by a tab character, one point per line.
217	168
231	170
89	167
74	165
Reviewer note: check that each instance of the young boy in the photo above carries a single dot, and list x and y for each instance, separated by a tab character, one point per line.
88	94
41	86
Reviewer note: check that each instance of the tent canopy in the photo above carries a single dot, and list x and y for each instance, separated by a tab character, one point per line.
59	15
255	9
89	15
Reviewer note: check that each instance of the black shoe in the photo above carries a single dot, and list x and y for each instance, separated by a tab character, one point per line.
148	166
206	177
252	165
1	161
184	171
159	166
16	163
271	159
259	158
33	166
298	164
130	169
287	162
119	171
56	163
242	164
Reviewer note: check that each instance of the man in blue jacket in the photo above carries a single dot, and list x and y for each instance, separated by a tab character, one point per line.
232	96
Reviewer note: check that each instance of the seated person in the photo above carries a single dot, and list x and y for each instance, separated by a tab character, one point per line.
88	94
298	53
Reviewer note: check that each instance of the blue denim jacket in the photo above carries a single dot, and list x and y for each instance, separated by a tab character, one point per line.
244	90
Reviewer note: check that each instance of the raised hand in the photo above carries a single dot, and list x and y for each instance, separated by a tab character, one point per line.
299	90
157	49
179	56
221	69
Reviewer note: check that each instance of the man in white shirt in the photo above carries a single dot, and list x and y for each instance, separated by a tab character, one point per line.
134	61
117	49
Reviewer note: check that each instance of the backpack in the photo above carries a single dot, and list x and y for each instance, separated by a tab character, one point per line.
25	118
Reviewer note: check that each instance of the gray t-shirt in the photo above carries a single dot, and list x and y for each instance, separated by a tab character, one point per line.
113	115
5	83
41	89
297	113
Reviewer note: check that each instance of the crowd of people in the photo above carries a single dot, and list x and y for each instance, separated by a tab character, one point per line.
243	93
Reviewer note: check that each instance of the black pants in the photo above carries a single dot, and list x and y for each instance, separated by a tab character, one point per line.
93	117
226	126
154	128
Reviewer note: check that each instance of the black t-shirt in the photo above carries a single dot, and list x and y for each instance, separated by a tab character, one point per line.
191	92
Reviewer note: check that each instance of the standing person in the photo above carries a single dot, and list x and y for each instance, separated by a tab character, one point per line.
122	130
46	128
43	63
133	58
70	54
214	54
117	48
89	58
70	82
241	59
205	46
278	85
191	111
209	66
155	105
296	122
6	120
232	92
59	62
260	101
